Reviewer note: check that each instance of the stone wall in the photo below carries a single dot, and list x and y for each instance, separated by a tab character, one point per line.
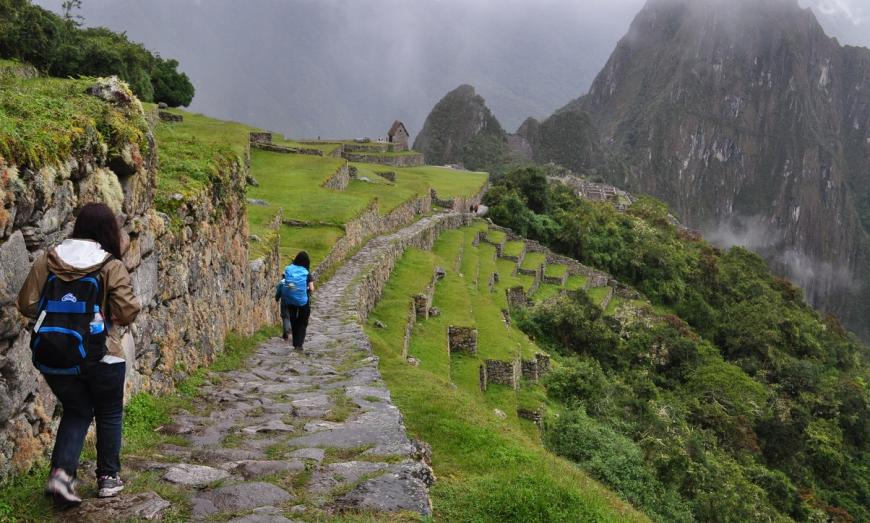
461	340
405	160
387	175
422	236
166	116
501	373
368	147
575	268
340	180
535	369
190	271
263	141
370	223
460	203
516	298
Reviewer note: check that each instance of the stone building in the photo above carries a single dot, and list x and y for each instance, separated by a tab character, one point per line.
398	136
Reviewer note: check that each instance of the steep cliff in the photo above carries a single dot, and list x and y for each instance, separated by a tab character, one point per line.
462	129
78	141
753	125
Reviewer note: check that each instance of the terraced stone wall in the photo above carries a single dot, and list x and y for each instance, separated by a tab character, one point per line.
191	272
368	224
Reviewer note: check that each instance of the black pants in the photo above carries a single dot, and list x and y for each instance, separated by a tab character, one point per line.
99	392
296	321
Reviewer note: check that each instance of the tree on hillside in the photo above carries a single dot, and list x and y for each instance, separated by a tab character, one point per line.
60	47
171	86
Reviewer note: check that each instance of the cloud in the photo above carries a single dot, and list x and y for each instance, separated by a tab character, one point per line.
848	9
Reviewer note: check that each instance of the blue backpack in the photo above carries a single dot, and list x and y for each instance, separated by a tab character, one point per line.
294	286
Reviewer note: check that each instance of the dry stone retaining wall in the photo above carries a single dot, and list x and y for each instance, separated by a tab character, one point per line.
405	160
368	224
461	340
190	271
340	180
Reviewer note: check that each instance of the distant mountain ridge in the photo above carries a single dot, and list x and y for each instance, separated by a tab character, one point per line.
750	122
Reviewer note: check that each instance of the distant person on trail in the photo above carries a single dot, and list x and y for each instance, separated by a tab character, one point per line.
78	293
294	291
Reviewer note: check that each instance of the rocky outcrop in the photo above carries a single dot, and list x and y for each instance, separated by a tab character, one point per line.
190	270
755	127
462	130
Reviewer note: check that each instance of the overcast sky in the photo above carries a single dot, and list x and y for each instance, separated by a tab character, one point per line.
349	67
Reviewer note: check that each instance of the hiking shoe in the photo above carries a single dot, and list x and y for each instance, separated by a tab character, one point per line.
109	486
62	488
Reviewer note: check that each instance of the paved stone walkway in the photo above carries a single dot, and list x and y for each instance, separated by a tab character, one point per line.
298	433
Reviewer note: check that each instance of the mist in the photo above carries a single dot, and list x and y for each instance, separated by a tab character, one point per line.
816	276
348	68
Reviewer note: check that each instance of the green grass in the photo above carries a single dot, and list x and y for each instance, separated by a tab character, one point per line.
533	260
513	248
496	236
597	294
488	469
555	271
546	291
614	304
194	153
43	121
576	282
315	240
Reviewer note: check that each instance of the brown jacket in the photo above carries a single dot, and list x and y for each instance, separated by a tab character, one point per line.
74	259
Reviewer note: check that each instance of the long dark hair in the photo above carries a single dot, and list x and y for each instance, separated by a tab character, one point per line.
97	222
302	260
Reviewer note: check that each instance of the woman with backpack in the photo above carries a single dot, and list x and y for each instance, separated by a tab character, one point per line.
294	291
78	293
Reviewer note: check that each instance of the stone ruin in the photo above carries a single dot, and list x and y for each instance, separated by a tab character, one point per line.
166	116
387	175
500	372
461	340
533	370
533	415
516	298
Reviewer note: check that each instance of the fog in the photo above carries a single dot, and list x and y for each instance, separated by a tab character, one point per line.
347	68
816	276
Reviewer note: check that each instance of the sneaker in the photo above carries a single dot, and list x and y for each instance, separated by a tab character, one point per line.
109	486
62	488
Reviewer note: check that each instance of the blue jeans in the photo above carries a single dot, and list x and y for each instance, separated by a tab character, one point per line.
98	392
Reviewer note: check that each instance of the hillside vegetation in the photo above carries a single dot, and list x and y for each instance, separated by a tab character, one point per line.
491	464
59	47
736	401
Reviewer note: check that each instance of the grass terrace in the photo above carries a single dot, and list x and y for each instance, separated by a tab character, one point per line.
555	271
490	467
533	260
513	248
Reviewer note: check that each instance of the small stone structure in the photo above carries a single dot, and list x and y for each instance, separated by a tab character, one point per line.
422	304
534	415
500	373
533	370
258	137
387	175
166	116
461	339
516	298
398	136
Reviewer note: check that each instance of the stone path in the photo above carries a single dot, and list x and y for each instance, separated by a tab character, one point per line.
299	434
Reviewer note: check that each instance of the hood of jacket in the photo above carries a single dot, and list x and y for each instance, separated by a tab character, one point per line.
75	258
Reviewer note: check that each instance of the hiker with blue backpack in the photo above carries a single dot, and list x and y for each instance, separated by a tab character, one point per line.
294	291
78	293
